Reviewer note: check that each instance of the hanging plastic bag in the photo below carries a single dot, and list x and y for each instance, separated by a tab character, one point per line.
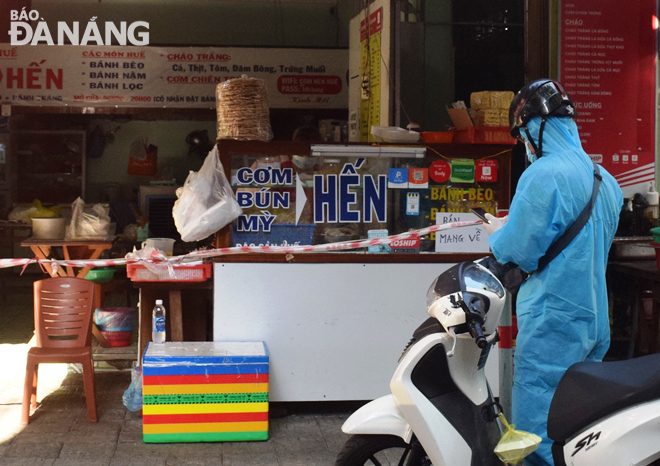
515	444
143	158
205	202
132	397
138	149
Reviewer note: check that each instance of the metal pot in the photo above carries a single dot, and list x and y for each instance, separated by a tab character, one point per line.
48	227
632	248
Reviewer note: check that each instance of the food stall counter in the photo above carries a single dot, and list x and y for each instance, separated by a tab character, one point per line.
336	322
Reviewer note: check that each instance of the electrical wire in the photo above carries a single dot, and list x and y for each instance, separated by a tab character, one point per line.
480	158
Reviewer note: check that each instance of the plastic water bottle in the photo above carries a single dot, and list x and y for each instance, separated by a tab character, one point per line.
158	322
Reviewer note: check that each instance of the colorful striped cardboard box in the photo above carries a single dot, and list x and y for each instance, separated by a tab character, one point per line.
205	392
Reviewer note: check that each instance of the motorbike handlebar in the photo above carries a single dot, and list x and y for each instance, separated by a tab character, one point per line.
477	333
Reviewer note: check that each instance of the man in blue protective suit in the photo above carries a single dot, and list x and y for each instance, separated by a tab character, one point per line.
562	309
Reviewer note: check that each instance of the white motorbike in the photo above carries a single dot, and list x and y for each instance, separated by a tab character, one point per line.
441	411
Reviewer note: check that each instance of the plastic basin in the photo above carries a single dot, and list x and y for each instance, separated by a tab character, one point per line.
115	324
656	234
100	275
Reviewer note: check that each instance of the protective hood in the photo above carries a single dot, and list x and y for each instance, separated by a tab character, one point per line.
550	195
559	135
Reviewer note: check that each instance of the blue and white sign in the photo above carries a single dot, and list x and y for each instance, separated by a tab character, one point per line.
262	198
398	178
336	200
380	247
412	204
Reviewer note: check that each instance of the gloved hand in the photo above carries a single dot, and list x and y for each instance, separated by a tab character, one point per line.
494	223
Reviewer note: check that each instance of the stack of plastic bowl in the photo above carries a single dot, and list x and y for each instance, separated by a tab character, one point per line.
115	324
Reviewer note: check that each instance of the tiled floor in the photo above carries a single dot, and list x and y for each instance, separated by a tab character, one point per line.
60	434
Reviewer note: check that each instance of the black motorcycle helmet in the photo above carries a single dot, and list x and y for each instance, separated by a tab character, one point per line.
543	97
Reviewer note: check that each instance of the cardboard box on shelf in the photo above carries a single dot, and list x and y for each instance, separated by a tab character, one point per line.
460	117
490	108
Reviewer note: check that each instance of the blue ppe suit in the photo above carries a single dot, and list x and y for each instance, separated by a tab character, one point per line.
562	311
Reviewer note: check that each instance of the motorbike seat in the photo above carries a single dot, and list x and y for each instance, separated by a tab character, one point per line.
591	390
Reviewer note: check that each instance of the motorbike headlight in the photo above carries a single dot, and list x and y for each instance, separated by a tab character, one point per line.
461	277
478	277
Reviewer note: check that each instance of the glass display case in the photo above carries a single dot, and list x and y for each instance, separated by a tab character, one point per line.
297	193
50	165
303	304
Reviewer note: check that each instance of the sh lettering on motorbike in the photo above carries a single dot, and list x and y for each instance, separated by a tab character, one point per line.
587	442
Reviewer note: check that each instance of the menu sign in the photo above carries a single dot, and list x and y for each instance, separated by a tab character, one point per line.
184	77
607	65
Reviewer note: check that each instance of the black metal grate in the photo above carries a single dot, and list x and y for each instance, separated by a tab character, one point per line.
161	222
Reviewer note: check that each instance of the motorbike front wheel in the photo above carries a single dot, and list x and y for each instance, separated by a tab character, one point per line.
381	450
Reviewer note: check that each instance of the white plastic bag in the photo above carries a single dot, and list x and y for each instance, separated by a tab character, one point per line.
138	149
132	397
206	202
88	222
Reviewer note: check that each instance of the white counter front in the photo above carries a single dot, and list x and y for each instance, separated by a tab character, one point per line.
334	331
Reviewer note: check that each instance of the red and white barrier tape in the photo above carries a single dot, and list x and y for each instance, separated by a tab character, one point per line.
199	255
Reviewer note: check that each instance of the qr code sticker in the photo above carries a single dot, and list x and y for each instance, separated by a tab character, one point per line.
418	176
486	171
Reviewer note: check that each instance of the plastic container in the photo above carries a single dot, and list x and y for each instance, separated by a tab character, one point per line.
484	135
188	392
394	134
656	234
182	273
437	137
100	276
166	245
121	338
48	227
115	324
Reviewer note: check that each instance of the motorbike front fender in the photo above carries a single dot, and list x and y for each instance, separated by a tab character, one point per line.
379	417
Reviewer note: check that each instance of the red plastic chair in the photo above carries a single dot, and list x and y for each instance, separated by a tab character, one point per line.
63	322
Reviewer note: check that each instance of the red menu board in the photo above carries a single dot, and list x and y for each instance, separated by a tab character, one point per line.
608	67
